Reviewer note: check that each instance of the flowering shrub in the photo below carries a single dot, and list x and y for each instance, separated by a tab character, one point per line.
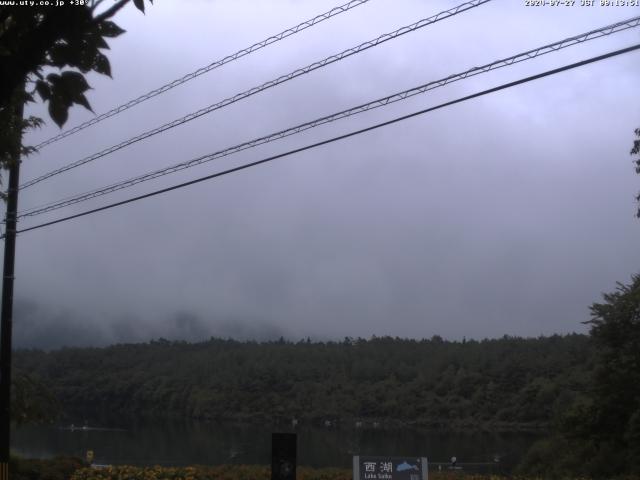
59	468
224	472
236	472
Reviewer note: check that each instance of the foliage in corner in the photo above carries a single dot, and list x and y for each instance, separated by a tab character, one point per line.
57	468
599	434
615	414
636	151
65	42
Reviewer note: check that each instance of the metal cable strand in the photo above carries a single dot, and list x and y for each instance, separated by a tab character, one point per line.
337	138
212	66
520	57
272	83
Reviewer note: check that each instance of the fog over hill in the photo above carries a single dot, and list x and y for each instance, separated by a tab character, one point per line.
37	327
507	214
47	329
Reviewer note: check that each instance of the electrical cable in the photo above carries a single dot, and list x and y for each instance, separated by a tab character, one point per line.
213	65
340	137
528	55
272	83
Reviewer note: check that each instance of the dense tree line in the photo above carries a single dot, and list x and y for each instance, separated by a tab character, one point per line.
598	435
509	383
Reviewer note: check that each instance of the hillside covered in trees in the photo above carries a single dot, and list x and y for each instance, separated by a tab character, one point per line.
508	383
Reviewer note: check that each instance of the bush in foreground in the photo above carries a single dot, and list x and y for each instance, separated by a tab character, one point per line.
222	472
59	468
240	472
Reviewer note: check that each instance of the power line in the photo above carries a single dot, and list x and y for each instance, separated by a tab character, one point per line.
272	83
212	66
528	55
340	137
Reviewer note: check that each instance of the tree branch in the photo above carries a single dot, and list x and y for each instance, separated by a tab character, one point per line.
111	11
96	4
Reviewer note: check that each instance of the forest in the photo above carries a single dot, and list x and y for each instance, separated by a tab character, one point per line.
506	384
583	390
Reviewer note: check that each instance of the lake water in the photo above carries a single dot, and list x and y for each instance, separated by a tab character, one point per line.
188	443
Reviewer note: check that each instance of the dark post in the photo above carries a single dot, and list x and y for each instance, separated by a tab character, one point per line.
6	316
283	456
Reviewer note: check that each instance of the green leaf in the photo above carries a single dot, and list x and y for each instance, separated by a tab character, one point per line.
110	29
32	122
82	100
58	55
26	151
87	57
73	87
101	64
59	111
63	91
74	82
100	42
53	78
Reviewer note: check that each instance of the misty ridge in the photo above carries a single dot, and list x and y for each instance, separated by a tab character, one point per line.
40	327
36	326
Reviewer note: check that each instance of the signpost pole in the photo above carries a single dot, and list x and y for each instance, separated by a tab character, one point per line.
283	456
425	468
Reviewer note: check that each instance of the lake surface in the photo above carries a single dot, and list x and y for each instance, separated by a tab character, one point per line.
188	443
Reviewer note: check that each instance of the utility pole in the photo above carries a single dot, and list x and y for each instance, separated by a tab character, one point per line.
6	316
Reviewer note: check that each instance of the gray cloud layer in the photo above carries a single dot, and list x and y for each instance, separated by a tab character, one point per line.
508	214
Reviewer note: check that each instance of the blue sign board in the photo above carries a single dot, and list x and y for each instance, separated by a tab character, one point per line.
390	468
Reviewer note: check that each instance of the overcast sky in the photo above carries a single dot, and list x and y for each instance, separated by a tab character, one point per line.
507	214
